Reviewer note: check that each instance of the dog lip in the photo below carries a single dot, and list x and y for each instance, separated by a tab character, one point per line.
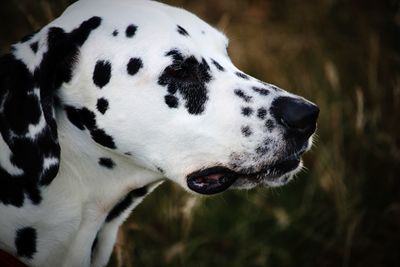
280	168
211	180
218	179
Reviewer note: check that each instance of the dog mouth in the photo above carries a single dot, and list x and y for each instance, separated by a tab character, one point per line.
218	179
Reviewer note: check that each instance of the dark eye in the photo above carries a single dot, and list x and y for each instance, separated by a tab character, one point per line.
184	70
177	65
174	70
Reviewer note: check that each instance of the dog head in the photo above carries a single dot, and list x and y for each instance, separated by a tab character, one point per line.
155	84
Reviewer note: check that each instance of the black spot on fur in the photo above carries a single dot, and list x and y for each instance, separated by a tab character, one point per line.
17	85
264	148
107	163
217	65
25	242
188	76
102	73
126	202
84	118
261	91
27	38
134	65
247	111
176	55
102	105
160	170
261	113
275	88
115	33
100	136
34	47
242	95
130	30
205	64
128	153
172	101
242	75
88	118
182	31
246	131
270	86
270	125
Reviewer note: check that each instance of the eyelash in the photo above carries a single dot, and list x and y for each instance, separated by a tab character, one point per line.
175	69
177	65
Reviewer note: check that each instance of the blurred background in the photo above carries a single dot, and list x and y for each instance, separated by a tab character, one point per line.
344	210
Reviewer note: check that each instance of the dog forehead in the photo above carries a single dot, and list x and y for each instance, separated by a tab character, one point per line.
128	41
157	19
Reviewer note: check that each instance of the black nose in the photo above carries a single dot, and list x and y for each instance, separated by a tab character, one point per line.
295	114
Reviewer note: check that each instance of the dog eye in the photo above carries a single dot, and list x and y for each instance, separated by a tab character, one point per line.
187	70
177	66
183	70
174	70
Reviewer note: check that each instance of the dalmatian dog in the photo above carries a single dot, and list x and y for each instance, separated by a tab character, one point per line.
104	103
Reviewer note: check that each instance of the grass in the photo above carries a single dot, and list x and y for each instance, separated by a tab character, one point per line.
344	209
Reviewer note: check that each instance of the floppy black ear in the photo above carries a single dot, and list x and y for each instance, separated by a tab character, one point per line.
29	78
29	149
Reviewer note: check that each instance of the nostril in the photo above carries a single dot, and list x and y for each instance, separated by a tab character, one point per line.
295	114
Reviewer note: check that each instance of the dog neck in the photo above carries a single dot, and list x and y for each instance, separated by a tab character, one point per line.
100	175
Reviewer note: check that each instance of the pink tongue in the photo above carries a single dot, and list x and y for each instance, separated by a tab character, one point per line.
213	176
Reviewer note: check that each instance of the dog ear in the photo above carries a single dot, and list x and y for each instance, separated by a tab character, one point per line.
29	78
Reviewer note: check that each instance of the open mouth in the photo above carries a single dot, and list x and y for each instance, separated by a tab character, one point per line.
217	179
